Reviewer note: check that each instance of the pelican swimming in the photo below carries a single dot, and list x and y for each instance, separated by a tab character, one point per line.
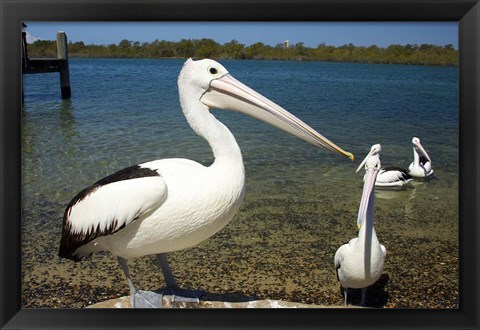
359	263
421	167
392	176
388	176
172	204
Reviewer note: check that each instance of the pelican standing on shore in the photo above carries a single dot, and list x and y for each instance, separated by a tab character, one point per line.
359	263
172	204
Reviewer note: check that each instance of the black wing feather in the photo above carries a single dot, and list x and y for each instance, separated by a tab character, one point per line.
404	173
70	241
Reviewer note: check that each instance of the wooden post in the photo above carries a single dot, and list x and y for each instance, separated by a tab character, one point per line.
24	50
24	58
62	53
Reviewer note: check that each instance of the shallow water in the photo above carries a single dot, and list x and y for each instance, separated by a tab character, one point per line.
301	202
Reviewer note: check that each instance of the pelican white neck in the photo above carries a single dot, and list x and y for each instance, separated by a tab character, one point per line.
193	82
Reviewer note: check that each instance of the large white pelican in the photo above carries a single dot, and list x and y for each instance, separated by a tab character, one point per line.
421	167
359	263
172	204
388	176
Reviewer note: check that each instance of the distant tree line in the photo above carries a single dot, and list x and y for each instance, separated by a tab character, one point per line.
424	54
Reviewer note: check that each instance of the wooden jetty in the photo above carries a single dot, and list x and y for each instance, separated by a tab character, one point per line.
45	65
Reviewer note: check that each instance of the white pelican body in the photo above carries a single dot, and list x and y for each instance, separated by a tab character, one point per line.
171	204
388	177
359	263
421	167
201	201
392	177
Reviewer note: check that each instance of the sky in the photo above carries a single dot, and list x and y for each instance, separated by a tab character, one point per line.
271	33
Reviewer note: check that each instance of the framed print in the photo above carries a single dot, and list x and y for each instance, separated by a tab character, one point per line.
250	215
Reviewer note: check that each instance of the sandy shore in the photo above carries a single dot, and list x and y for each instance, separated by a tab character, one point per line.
279	247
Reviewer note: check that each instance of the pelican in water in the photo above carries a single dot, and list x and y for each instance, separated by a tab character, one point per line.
421	167
392	176
171	204
389	176
359	263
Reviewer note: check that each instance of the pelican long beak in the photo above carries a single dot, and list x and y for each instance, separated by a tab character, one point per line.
230	94
369	183
371	153
363	161
419	146
374	150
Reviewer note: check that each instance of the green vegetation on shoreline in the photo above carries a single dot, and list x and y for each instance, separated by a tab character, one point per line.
424	54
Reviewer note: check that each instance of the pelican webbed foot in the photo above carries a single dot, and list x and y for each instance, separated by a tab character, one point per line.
172	289
146	299
140	298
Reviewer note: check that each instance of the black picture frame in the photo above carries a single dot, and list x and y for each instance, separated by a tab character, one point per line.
465	12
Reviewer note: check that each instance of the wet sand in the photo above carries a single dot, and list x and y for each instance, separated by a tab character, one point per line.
280	246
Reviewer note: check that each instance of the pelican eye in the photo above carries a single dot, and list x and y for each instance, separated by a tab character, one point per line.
213	70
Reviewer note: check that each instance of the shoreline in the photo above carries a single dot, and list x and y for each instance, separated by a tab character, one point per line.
93	57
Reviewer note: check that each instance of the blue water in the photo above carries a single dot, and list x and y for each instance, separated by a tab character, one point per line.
126	111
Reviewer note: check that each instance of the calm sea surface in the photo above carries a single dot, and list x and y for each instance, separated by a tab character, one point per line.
301	201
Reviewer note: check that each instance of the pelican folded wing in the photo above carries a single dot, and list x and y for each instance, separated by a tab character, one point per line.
110	205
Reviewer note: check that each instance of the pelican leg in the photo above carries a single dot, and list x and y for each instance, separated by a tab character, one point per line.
179	294
364	293
140	299
345	291
166	270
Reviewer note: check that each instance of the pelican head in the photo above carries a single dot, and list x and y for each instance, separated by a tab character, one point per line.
417	146
374	150
372	166
217	89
